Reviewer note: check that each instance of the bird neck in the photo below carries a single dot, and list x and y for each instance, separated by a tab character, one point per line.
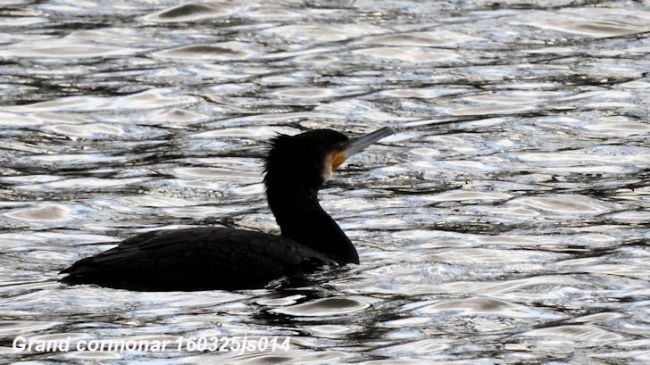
302	219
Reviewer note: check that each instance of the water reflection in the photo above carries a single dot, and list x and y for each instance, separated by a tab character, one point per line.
507	221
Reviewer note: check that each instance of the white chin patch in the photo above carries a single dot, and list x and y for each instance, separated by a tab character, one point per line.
327	168
327	172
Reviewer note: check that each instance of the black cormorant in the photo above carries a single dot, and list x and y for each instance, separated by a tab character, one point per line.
223	258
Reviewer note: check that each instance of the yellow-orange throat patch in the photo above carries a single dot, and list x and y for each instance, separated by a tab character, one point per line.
337	159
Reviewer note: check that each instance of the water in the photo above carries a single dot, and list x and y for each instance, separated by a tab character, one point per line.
506	222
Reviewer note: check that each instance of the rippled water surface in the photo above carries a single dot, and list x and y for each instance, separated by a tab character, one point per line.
506	222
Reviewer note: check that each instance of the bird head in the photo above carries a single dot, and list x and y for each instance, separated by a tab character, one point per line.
309	159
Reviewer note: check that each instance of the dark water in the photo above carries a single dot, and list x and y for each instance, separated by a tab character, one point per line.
506	222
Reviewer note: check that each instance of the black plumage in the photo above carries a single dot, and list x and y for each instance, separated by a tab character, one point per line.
195	259
222	258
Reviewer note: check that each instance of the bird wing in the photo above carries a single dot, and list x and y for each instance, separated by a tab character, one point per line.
195	258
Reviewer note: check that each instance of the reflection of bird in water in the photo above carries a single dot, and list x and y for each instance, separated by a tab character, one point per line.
223	258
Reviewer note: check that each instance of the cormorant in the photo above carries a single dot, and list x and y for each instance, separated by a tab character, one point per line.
208	258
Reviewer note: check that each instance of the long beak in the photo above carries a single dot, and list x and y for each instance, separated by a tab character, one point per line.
359	144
